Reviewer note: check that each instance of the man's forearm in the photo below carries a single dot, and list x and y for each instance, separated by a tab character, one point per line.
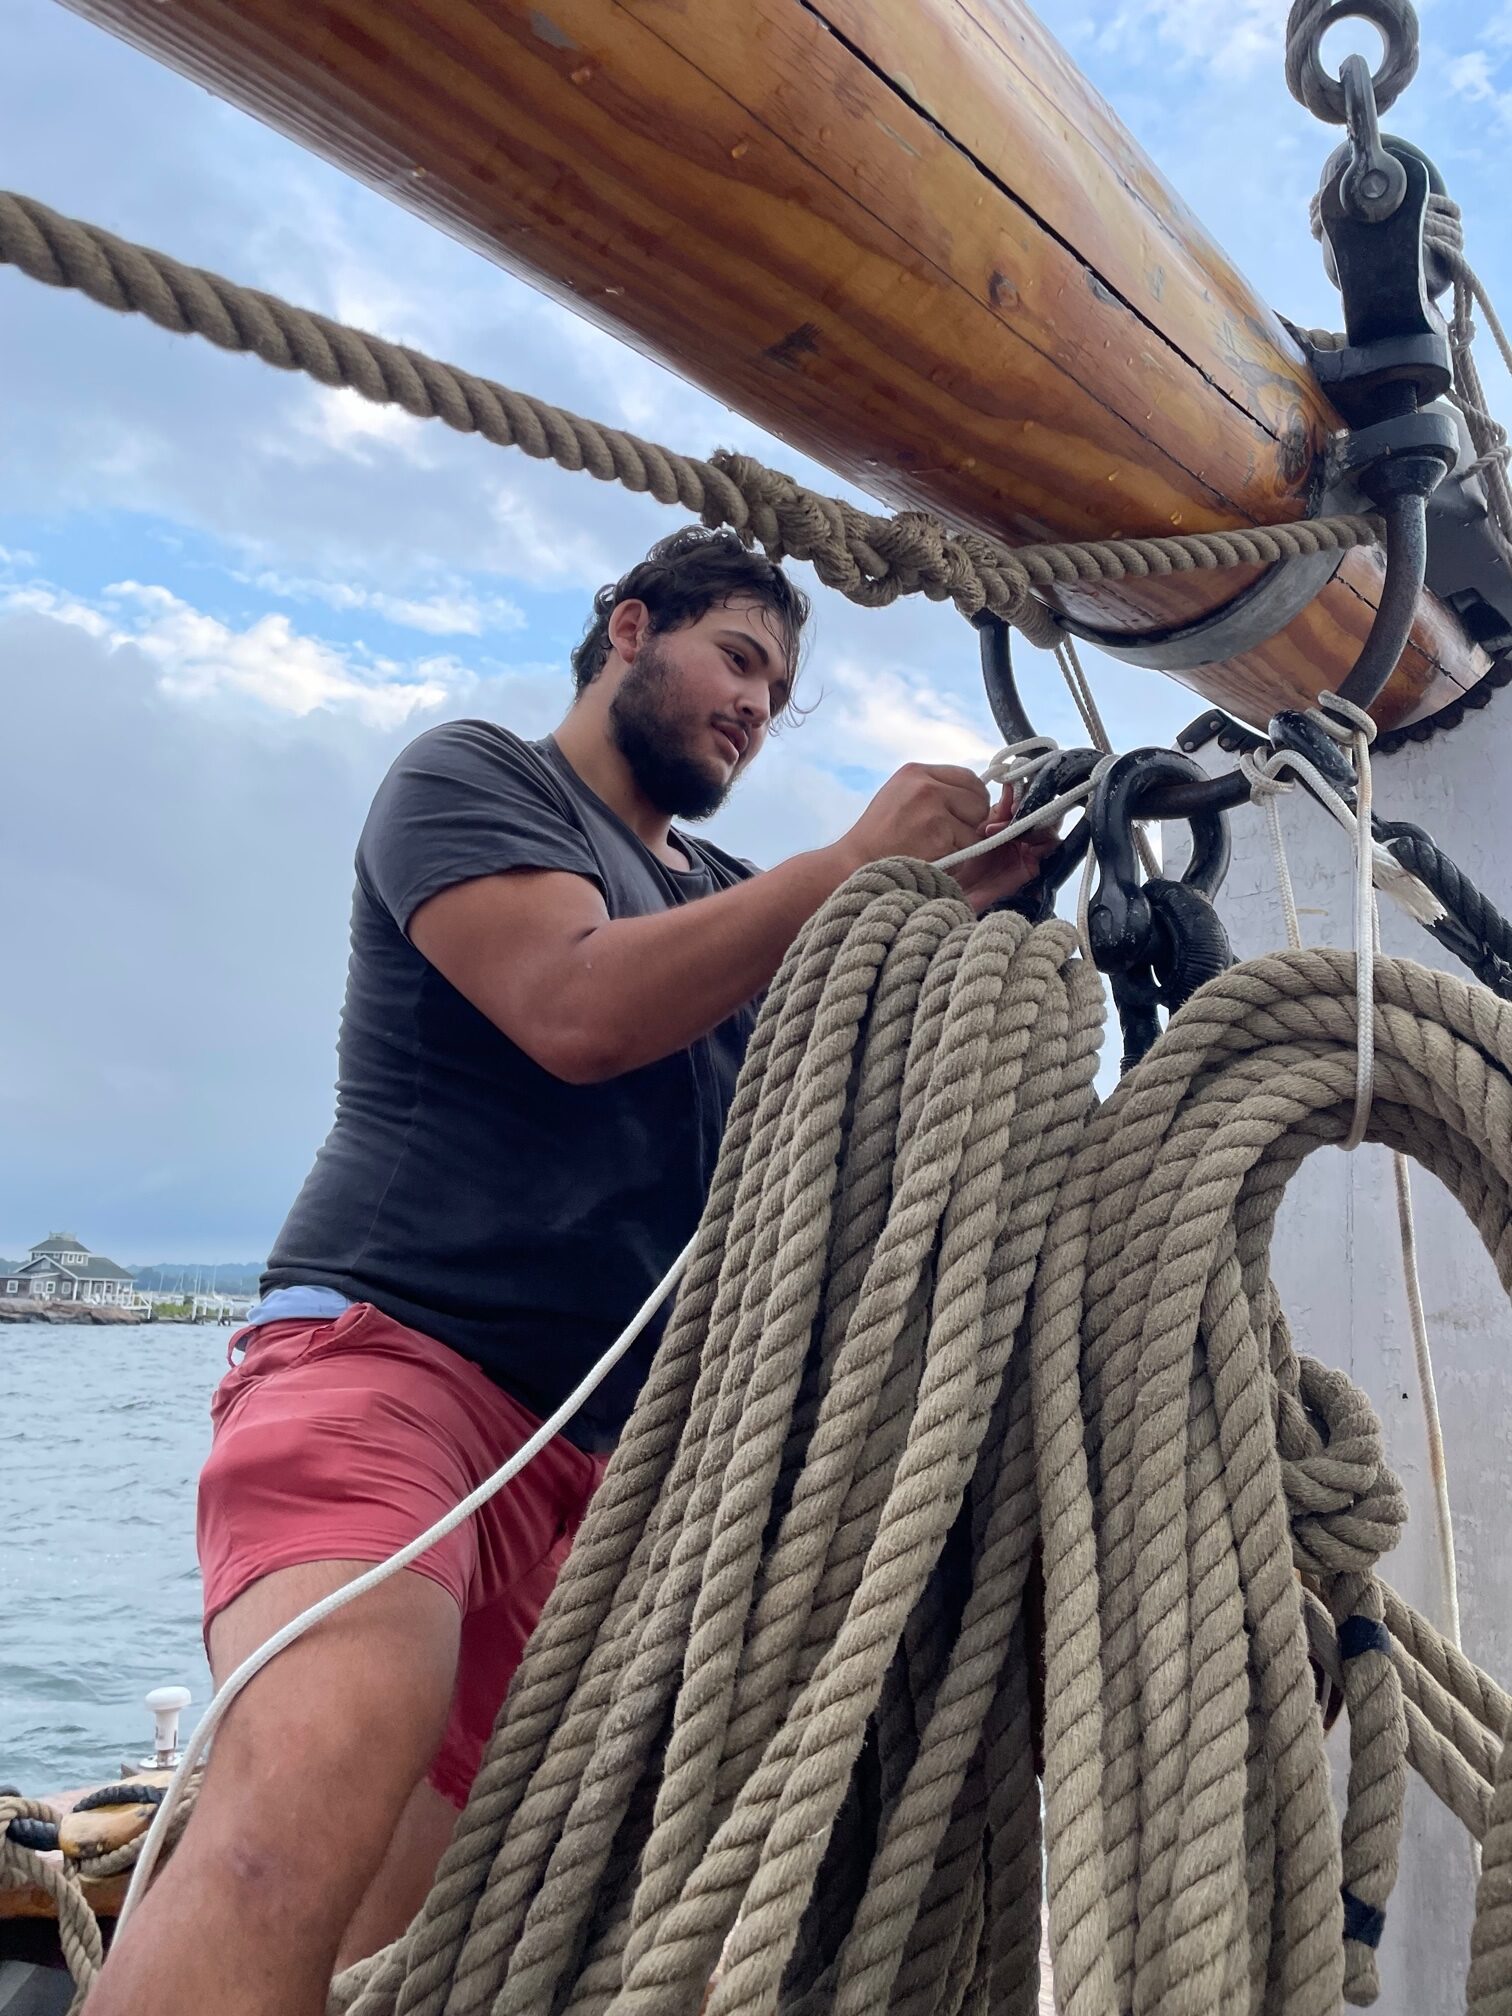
589	997
639	988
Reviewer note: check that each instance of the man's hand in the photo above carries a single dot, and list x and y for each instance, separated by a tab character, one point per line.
1003	871
923	811
928	810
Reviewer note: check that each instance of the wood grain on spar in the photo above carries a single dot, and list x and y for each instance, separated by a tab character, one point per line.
904	235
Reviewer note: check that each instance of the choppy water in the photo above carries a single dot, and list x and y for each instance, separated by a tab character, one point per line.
102	1433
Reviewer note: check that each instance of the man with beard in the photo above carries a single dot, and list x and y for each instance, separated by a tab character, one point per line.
550	992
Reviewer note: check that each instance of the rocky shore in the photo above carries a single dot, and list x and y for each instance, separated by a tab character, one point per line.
23	1309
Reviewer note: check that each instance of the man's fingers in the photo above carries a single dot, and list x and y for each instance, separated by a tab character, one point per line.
963	791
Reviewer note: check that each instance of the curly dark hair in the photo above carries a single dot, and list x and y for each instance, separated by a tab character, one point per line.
682	578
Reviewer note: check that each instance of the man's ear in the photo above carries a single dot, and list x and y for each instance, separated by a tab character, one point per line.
629	627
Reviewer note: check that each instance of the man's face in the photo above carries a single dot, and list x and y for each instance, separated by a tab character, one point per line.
693	707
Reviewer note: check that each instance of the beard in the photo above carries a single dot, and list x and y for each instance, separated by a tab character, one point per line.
656	740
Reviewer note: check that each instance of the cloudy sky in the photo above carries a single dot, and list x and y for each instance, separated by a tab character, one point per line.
227	597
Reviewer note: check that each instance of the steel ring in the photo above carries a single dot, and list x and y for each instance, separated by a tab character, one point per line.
1311	84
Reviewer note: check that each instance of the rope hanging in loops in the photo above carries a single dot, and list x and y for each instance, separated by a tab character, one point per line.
772	1745
869	558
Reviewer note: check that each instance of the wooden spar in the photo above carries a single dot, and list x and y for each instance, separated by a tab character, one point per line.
904	235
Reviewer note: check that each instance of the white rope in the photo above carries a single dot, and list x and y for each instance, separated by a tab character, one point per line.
1016	762
1012	765
1268	789
1438	1464
1345	721
1272	798
1084	908
1056	808
317	1613
1080	689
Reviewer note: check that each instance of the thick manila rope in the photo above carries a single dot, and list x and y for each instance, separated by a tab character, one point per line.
1192	1154
869	558
79	1936
776	1720
1011	767
27	1868
910	1046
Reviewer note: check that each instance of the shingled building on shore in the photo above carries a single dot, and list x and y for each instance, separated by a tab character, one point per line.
62	1269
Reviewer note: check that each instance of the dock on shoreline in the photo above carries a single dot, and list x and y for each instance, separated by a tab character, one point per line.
26	1309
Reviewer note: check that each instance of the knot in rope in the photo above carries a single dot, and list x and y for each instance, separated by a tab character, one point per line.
1343	720
870	558
873	560
1265	779
1347	1508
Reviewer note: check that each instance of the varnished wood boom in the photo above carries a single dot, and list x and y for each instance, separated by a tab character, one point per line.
905	235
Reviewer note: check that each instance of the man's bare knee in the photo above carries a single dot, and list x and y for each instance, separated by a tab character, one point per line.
341	1725
310	1772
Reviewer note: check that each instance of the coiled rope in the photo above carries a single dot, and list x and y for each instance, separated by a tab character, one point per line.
24	1868
871	559
1340	720
775	1730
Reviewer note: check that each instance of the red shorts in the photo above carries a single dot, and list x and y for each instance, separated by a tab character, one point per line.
340	1441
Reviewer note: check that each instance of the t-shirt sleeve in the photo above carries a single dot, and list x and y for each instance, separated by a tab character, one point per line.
463	801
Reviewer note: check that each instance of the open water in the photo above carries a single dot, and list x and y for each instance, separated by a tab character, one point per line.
102	1433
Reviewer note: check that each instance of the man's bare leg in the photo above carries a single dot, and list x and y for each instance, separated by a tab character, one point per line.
312	1769
404	1877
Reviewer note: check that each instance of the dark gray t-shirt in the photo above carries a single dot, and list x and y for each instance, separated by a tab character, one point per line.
464	1190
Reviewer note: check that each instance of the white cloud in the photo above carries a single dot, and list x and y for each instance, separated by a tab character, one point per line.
1470	75
344	423
554	545
271	662
1473	76
875	719
448	612
35	599
1232	41
197	656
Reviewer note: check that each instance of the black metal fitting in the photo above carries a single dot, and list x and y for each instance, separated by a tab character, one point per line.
1292	729
1157	941
1119	920
1226	730
1395	363
1397	340
1375	181
1036	900
1003	696
1467	566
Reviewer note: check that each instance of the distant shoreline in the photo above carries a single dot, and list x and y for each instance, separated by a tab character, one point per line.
105	1315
